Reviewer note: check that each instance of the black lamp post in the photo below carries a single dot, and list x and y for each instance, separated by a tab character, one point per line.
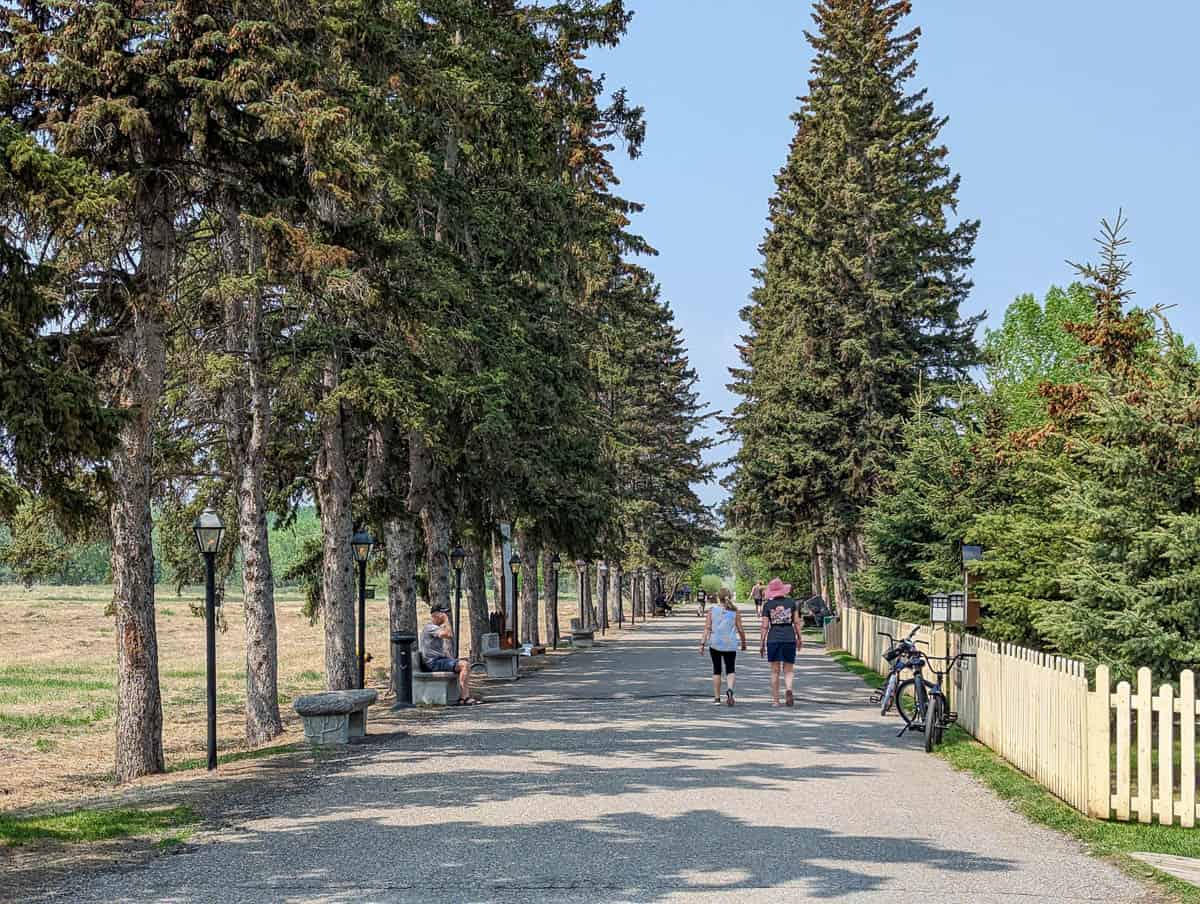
362	543
602	572
620	598
514	565
642	600
554	563
585	611
457	557
209	530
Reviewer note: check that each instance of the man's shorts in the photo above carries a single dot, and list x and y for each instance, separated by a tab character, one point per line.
782	651
446	664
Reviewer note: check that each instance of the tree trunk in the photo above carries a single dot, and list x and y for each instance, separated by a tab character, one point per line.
477	604
550	589
818	571
337	527
529	589
136	387
400	546
601	600
614	594
844	565
500	576
246	405
425	497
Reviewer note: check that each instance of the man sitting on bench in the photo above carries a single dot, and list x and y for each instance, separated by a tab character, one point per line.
437	652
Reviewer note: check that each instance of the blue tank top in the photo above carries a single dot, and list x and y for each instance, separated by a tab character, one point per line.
724	630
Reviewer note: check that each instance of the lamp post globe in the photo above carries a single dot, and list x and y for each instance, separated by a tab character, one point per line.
209	530
361	545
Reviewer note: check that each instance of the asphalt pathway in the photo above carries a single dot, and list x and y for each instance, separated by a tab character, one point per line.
615	778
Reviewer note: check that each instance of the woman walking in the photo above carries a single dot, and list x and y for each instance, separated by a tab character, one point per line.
780	636
724	626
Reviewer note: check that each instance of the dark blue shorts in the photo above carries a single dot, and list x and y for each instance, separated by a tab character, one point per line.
782	651
442	664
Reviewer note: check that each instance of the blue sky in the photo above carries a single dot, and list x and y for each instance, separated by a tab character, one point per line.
1060	113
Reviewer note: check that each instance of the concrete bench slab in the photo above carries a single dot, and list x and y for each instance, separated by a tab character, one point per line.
502	664
334	717
435	688
581	640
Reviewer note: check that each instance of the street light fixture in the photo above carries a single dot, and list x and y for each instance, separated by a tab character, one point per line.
362	543
554	563
209	530
514	565
620	598
457	557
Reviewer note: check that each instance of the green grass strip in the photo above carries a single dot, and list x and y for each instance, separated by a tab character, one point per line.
1113	840
81	826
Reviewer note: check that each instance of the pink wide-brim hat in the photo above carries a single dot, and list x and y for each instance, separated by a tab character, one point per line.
777	588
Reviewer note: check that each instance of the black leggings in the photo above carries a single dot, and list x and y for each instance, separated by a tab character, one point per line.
728	656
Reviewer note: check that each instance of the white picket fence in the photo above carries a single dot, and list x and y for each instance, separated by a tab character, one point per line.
1115	754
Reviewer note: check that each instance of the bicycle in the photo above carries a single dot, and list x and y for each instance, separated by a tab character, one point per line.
898	655
925	708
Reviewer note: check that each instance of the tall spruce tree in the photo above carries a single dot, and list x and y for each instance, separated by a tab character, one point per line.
858	303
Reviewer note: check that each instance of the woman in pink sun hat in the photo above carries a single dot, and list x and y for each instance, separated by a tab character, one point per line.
780	636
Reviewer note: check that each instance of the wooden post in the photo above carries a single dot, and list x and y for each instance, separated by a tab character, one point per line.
1166	756
1122	716
1099	778
1187	749
1145	776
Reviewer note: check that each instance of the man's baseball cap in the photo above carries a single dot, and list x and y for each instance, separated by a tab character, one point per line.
439	607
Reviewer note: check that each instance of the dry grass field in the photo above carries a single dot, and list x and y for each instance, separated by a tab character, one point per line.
58	683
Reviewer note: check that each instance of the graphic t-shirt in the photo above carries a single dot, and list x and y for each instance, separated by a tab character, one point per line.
778	613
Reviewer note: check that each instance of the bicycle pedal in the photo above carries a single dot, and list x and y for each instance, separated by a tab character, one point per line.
877	697
950	718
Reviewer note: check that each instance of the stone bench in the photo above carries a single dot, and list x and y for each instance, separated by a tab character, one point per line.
334	717
581	637
500	663
435	688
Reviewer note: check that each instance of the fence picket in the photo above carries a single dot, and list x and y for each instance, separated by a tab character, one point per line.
1144	742
1166	756
1187	749
1121	801
1099	731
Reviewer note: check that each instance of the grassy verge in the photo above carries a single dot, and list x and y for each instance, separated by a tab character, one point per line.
1113	840
81	826
235	756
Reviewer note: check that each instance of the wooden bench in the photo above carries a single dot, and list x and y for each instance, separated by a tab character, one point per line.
334	717
500	663
434	688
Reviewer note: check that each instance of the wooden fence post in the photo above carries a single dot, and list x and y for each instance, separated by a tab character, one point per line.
1099	778
1166	756
1145	776
1187	749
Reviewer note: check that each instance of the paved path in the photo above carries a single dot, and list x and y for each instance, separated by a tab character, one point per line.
614	778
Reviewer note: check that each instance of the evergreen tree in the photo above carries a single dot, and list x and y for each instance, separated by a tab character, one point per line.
860	288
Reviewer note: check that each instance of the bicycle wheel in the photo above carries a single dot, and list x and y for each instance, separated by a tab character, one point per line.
889	694
906	702
933	727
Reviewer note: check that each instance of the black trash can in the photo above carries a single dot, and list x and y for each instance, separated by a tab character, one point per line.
402	675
